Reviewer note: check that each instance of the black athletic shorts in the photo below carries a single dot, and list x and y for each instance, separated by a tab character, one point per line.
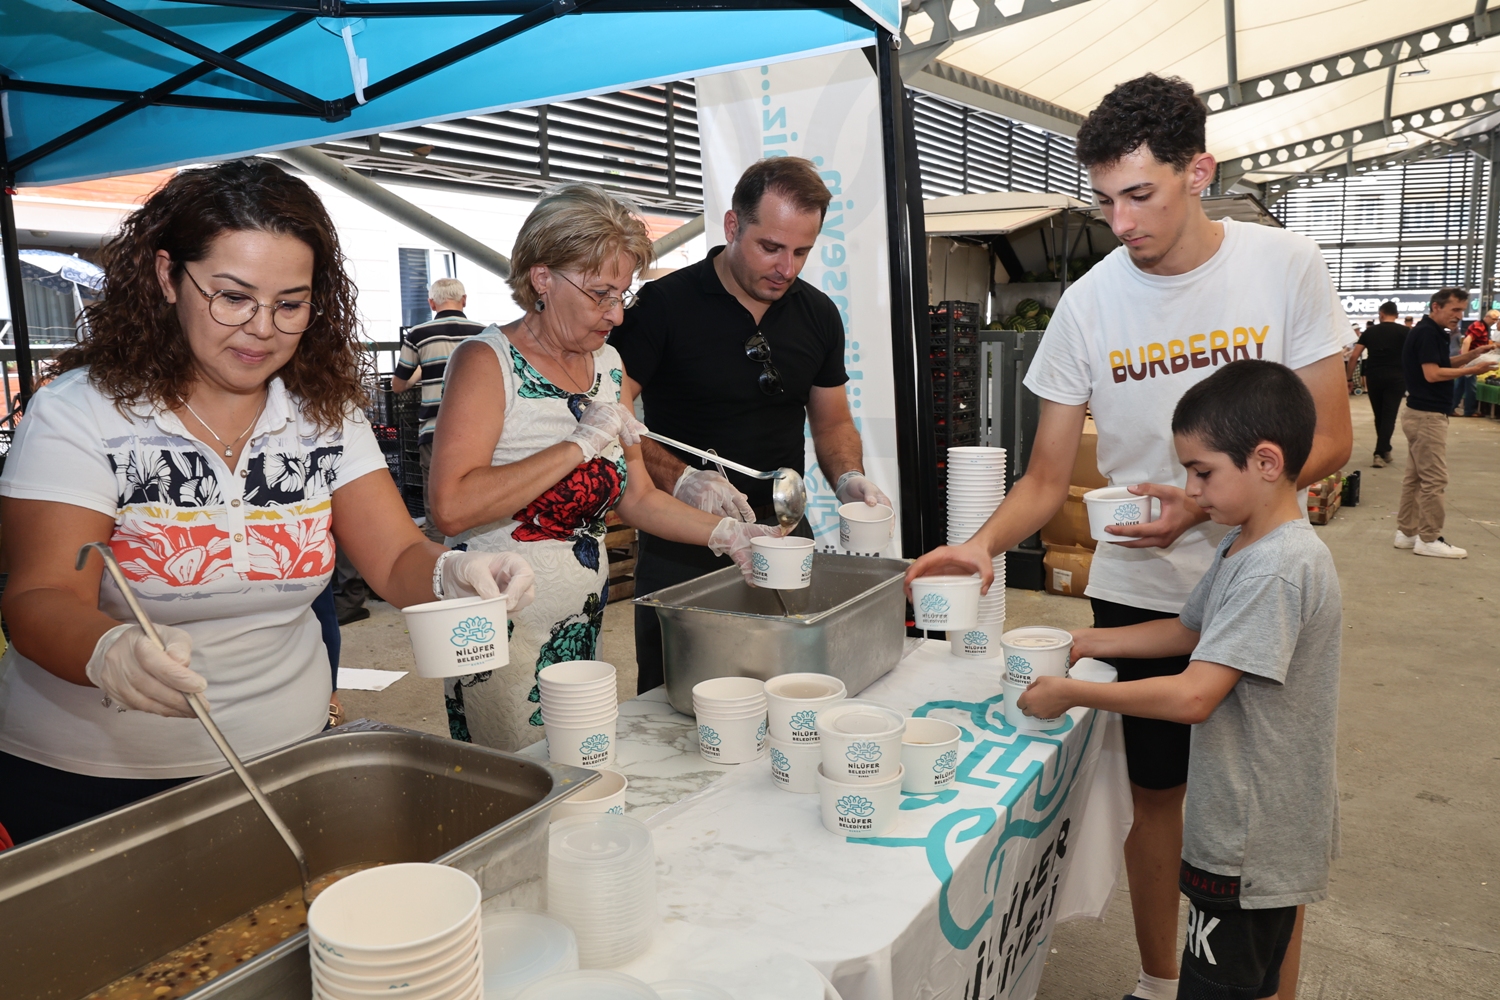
1156	752
1230	953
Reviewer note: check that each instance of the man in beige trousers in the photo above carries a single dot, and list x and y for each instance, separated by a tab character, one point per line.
1429	375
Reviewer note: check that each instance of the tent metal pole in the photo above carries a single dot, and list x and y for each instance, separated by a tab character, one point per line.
15	290
677	237
1487	264
1231	55
914	431
363	189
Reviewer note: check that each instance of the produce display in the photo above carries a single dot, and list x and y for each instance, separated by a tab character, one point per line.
1029	315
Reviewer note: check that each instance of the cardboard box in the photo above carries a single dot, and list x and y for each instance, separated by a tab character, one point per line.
1067	569
1086	465
1070	525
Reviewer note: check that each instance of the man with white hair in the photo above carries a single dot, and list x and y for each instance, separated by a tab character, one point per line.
425	350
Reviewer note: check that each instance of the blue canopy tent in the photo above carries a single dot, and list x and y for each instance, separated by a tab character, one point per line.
93	88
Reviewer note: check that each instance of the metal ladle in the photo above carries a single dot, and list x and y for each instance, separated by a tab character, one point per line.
788	491
200	709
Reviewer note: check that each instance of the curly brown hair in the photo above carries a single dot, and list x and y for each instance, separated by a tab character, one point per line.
1162	114
135	349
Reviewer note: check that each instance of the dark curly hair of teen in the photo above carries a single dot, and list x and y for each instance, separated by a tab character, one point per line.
1162	114
135	349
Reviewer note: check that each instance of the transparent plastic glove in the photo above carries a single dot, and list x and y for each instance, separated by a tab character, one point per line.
602	423
133	673
486	574
853	487
732	538
712	492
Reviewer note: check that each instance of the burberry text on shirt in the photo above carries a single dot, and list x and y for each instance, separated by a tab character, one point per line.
1201	350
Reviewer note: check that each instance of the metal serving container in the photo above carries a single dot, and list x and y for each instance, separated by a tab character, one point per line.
88	904
850	623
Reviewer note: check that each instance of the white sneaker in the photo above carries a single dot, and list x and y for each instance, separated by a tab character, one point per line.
1405	541
1440	549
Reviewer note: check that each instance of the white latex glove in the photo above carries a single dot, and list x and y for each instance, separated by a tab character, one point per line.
853	487
712	492
485	574
732	538
133	673
602	423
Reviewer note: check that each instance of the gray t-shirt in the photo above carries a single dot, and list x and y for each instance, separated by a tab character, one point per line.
1262	794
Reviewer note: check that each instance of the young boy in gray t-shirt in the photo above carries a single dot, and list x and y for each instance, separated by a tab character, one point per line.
1263	628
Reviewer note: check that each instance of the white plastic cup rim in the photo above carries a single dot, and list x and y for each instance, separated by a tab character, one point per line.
728	689
782	542
921	730
606	686
603	795
867	513
1059	637
727	714
575	673
834	687
829	720
608	699
349	906
457	983
583	720
441	951
417	977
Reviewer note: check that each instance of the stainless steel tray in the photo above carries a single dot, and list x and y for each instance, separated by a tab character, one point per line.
850	623
88	904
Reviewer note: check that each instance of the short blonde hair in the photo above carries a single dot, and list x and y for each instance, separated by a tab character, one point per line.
447	290
576	227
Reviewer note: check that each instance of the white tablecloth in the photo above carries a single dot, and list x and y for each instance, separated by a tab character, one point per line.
958	901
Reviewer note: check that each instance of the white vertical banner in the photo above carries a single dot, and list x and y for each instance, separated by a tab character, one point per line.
827	110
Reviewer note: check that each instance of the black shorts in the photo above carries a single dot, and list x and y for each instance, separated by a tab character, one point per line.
1156	752
1234	954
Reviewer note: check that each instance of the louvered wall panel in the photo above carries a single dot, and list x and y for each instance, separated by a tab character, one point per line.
967	151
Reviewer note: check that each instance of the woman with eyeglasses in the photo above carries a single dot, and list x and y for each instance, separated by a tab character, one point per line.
537	441
209	430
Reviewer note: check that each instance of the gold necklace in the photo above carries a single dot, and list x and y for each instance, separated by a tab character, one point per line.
229	447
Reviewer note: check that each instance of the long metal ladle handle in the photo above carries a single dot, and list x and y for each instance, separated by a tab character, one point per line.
200	709
709	457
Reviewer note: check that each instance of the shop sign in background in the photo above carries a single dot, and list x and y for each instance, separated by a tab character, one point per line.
826	109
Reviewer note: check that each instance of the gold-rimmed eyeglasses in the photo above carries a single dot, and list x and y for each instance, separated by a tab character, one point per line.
234	308
605	302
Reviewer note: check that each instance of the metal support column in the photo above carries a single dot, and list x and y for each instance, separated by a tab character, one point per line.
1487	264
1231	55
13	286
915	440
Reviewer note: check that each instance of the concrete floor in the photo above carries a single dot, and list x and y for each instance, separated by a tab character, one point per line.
1414	906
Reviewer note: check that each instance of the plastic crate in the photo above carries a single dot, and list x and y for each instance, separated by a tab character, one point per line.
955	312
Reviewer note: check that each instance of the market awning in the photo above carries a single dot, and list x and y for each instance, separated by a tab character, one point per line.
1292	85
93	87
994	214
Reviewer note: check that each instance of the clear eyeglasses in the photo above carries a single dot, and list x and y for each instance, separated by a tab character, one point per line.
232	308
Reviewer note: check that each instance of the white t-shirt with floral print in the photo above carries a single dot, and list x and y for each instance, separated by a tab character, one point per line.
234	557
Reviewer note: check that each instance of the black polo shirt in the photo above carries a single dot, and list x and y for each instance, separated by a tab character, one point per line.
684	342
1383	343
1427	344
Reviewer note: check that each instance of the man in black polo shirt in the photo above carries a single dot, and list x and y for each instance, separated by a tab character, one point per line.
425	349
1430	372
1385	382
734	353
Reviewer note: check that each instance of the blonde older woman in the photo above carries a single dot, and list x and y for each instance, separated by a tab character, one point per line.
536	442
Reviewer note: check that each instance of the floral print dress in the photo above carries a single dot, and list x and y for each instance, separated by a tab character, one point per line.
560	533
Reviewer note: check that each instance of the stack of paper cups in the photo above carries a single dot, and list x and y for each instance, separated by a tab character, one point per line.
976	485
580	705
731	713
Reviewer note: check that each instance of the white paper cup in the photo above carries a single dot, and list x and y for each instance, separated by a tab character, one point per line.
588	675
729	692
732	741
607	795
439	979
946	602
462	636
929	754
860	741
1015	717
440	953
794	766
793	702
863	528
868	809
982	642
393	913
781	563
589	745
1118	506
1035	651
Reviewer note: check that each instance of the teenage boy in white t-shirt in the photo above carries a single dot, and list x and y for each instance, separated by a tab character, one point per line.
1182	297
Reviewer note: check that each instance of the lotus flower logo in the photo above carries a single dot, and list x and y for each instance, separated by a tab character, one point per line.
597	743
854	805
708	737
807	564
945	762
760	563
805	720
977	638
473	631
1018	665
779	761
934	604
1128	513
760	731
616	810
869	752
